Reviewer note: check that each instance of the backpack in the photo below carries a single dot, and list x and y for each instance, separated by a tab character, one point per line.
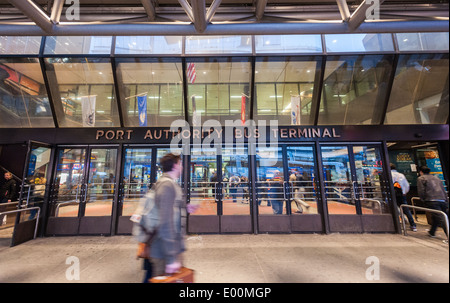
398	193
146	217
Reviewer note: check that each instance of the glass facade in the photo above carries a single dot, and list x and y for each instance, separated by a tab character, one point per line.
345	79
420	90
159	82
355	89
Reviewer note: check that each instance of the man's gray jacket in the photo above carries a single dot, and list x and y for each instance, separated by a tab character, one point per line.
169	241
431	188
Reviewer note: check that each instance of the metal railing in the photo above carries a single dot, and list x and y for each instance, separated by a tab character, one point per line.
426	210
26	209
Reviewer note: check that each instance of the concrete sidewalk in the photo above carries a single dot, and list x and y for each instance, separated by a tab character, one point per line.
295	258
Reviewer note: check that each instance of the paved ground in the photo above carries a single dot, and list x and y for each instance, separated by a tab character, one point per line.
294	258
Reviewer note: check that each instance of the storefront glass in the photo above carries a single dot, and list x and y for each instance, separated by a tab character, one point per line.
151	90
420	90
355	89
284	89
218	88
83	91
23	97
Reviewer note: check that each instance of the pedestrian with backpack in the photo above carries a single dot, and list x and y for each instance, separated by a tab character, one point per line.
160	221
401	188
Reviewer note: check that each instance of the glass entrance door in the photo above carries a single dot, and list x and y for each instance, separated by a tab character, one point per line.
82	195
219	186
355	186
140	170
287	189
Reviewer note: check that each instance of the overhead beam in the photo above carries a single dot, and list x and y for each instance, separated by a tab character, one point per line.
199	12
260	8
212	10
145	29
149	9
34	12
343	9
187	8
359	15
56	11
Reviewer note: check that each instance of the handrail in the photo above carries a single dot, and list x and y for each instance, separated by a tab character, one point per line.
25	209
414	211
374	201
424	209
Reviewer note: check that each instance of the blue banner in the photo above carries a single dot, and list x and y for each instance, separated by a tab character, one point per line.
142	108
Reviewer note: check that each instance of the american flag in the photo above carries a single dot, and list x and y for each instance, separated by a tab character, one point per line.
191	73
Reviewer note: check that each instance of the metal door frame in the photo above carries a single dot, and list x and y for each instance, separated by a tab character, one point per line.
81	224
359	222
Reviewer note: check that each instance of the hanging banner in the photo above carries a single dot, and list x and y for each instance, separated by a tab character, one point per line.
243	99
142	109
295	110
88	110
196	116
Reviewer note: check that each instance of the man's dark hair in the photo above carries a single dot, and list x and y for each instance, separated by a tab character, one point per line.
168	161
393	166
425	169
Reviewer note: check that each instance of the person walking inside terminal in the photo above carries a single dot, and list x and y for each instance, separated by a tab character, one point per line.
401	187
432	193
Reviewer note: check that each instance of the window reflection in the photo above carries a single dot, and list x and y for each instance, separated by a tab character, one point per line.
351	43
423	41
20	45
284	89
77	45
420	90
149	45
23	97
288	44
157	85
355	89
83	91
219	44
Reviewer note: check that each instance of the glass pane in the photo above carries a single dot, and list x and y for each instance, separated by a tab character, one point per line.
68	182
341	43
203	185
429	156
161	152
20	45
83	91
284	89
370	176
235	181
219	90
423	41
23	96
36	178
218	45
338	182
152	92
136	177
270	182
102	181
355	89
288	44
302	174
420	90
164	45
77	45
